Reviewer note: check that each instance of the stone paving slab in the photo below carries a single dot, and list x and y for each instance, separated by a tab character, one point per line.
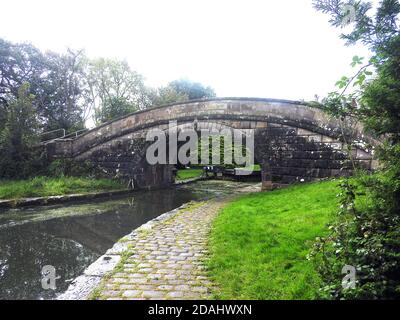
165	260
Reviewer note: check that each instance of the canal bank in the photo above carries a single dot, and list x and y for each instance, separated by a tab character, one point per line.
52	200
162	259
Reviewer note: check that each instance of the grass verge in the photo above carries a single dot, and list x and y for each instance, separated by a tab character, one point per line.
45	186
259	242
186	174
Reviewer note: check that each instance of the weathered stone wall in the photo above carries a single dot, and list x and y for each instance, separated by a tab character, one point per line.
289	155
126	159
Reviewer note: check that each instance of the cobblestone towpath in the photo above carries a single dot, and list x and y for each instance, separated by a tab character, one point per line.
165	261
162	259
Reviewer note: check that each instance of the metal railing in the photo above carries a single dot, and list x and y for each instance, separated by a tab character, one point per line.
54	131
75	134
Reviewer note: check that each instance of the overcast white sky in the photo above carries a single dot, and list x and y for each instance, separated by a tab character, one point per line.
253	48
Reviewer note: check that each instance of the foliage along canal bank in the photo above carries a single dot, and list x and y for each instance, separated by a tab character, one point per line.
47	191
48	186
42	191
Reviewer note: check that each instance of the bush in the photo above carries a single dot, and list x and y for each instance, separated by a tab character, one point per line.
366	235
69	167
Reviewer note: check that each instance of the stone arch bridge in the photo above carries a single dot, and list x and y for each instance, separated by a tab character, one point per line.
293	141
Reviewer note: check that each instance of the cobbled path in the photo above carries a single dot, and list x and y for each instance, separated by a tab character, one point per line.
166	261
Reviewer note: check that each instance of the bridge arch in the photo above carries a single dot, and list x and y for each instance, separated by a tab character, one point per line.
293	141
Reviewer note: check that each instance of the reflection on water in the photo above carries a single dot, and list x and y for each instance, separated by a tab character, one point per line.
71	237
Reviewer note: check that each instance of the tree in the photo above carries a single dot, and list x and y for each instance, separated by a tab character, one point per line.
113	108
380	101
3	116
116	90
63	95
179	91
366	234
55	80
376	32
165	95
376	101
19	137
193	90
19	64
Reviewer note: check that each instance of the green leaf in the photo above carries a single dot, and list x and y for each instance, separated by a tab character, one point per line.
356	61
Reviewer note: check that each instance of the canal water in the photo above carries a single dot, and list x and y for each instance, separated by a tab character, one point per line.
71	237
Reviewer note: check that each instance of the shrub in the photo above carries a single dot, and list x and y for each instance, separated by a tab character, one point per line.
366	235
69	167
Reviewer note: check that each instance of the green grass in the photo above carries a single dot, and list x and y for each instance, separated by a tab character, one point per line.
44	186
259	242
254	167
186	174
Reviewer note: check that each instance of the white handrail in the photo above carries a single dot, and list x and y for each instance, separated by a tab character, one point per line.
52	131
64	135
75	133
